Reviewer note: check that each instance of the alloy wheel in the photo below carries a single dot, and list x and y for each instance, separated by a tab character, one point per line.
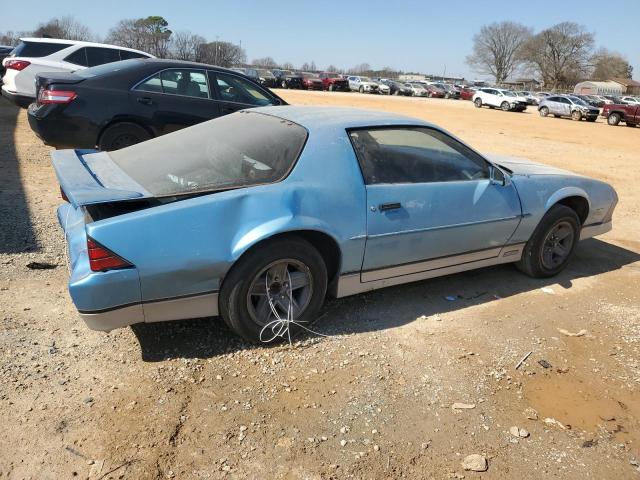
557	245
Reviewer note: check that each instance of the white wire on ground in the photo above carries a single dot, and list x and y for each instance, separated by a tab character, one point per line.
282	326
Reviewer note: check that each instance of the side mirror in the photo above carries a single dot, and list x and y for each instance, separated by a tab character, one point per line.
497	176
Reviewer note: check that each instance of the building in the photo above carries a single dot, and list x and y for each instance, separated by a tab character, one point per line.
411	78
599	88
522	84
630	87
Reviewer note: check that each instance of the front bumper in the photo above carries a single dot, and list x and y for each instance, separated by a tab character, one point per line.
17	99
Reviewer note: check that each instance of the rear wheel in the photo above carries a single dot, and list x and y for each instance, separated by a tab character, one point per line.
121	135
504	106
477	102
552	244
614	119
277	277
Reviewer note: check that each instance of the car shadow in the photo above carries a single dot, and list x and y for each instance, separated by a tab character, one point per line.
386	308
16	229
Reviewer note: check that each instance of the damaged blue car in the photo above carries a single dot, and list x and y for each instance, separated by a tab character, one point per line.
259	215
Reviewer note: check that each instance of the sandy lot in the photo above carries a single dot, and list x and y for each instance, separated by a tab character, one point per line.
374	399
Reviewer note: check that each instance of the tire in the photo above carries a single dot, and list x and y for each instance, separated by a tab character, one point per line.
361	90
239	309
331	87
122	135
614	119
283	84
447	96
576	115
504	106
544	256
477	102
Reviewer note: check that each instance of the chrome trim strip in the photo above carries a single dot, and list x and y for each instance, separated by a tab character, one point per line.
589	231
350	284
456	225
182	308
434	264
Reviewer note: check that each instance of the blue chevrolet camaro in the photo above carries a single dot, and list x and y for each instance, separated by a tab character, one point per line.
257	215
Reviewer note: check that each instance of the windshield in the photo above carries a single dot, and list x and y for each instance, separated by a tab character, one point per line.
579	101
107	68
265	73
215	155
365	79
508	93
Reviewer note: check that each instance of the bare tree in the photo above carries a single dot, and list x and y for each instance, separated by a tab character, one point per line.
607	65
185	45
496	49
361	68
305	67
149	34
66	28
331	68
224	54
266	62
287	66
560	55
10	38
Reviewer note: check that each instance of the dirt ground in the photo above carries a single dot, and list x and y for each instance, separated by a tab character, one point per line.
375	398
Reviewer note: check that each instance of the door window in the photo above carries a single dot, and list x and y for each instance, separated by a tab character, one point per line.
238	90
100	56
79	57
184	82
414	155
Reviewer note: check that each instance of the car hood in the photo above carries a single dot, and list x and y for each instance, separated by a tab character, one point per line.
523	166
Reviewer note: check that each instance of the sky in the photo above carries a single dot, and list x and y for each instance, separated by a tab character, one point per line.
425	36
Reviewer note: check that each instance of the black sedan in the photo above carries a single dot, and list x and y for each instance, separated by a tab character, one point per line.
122	103
397	88
288	79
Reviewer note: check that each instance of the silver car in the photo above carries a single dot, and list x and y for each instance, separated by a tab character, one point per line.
567	106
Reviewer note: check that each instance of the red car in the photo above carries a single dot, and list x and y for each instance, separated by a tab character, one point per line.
467	93
434	92
311	82
616	113
333	81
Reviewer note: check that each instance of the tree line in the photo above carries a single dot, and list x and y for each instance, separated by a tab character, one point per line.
560	56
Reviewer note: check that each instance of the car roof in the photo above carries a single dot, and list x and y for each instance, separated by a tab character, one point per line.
78	42
315	118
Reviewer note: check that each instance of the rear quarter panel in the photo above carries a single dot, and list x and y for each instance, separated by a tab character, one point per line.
187	247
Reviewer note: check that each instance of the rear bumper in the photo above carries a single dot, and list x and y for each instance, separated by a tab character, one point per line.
17	99
58	130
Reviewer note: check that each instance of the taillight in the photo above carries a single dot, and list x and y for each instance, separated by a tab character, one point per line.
47	97
102	259
16	64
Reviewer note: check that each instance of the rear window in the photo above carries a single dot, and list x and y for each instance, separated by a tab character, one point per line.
237	150
107	68
38	49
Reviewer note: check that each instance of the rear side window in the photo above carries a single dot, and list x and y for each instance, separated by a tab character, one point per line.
126	55
215	155
79	57
414	155
188	83
38	49
99	56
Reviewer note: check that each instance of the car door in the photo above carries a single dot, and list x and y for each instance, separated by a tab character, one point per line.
429	198
492	98
233	93
174	98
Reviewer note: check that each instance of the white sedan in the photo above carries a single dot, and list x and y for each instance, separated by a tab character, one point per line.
505	100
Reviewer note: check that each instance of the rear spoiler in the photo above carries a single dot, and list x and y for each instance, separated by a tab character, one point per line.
94	179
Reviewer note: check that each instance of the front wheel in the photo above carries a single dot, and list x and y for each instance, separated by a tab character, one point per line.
283	84
361	90
331	87
477	102
278	280
576	115
552	244
504	106
614	119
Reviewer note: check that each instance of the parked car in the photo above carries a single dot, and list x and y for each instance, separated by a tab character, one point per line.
467	93
266	78
594	102
334	81
119	104
568	106
5	50
506	100
627	113
363	84
417	89
530	97
631	100
434	91
449	90
311	81
397	88
36	55
288	79
248	225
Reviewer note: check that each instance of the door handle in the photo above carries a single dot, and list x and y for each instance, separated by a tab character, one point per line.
389	206
145	100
